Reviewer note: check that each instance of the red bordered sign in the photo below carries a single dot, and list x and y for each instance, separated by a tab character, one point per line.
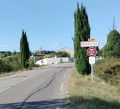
89	43
91	51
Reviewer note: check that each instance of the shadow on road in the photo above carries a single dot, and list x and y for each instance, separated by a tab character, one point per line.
49	104
78	102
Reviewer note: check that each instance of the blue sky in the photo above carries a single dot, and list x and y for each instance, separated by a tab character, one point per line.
50	23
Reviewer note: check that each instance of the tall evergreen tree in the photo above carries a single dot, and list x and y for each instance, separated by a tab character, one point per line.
82	33
24	49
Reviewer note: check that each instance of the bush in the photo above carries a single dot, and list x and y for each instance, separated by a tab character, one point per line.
46	56
30	63
9	64
4	66
108	70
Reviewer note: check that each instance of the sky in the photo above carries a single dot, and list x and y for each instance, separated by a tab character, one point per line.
50	23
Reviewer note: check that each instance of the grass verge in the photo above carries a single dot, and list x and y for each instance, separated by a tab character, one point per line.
85	94
109	71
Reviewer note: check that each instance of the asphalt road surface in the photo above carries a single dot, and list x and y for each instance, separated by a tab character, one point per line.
43	88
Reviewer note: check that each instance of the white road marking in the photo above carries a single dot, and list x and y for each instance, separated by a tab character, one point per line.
65	76
61	87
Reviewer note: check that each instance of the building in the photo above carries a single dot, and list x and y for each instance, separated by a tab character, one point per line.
48	61
38	51
42	51
68	50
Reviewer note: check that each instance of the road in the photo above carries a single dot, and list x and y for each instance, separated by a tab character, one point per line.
43	88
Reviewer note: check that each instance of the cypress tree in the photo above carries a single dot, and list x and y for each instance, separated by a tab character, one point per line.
24	50
82	33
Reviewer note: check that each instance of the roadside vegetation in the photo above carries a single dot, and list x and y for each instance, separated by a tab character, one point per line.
85	94
4	54
12	62
10	65
109	71
104	91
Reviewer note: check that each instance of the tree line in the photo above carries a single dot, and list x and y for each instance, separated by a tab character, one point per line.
4	54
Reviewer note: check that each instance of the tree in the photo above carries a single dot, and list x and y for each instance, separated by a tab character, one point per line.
62	54
24	50
8	53
14	53
82	33
112	48
97	49
3	55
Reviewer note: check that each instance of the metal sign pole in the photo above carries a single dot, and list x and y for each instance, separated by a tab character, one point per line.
92	72
91	51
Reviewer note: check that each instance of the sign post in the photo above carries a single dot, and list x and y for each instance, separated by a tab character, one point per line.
91	51
92	72
91	62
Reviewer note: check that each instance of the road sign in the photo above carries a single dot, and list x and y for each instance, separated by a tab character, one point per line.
91	60
97	59
91	51
89	43
91	39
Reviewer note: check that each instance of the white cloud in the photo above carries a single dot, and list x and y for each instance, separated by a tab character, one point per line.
4	46
55	45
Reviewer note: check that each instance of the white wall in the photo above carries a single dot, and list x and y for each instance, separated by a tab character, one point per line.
42	62
54	60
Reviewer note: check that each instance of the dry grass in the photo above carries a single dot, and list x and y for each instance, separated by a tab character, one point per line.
108	70
85	94
102	65
11	73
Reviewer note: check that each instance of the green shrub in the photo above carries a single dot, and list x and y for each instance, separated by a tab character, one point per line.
9	64
108	70
46	56
62	54
4	66
30	63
